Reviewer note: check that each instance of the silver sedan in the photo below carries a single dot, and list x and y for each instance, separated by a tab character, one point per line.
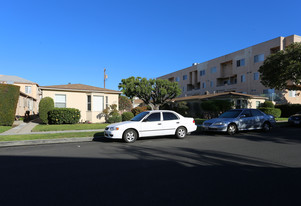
236	120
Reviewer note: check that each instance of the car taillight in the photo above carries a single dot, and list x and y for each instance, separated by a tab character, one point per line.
193	121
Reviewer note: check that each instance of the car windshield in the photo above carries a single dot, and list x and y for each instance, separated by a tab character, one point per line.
139	116
230	114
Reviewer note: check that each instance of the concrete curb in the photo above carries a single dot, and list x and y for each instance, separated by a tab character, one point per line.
45	141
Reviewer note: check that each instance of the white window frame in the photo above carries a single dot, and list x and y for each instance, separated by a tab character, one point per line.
28	89
258	58
243	78
97	107
60	101
256	76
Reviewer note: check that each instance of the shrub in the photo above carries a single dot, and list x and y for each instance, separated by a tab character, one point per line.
9	95
46	104
289	109
125	104
138	110
272	111
268	104
114	118
126	116
63	116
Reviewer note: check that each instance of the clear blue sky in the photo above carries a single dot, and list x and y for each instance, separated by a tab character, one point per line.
54	42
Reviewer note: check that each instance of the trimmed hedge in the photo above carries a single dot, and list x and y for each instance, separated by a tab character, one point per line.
289	109
268	104
9	96
63	116
272	111
115	118
126	116
46	104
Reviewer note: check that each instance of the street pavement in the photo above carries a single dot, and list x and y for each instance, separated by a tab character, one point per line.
250	168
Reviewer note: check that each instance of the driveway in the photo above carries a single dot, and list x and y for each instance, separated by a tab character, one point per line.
251	168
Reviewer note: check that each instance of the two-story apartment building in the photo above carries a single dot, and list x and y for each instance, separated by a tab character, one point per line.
235	72
30	94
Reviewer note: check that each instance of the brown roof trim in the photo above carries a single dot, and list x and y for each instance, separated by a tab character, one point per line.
27	96
208	96
79	87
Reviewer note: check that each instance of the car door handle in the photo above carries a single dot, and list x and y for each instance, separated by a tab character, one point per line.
159	123
178	122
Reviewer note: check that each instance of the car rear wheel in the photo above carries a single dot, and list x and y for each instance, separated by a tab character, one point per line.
232	129
130	136
266	127
181	132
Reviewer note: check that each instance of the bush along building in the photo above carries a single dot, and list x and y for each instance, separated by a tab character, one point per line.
236	72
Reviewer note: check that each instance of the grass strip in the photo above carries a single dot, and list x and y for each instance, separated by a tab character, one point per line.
49	136
63	127
4	128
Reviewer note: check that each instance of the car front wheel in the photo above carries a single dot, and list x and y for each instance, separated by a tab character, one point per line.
232	129
130	136
181	132
266	127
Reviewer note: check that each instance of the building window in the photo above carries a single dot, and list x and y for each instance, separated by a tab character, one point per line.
177	79
257	104
183	89
89	102
211	83
256	76
97	103
107	102
213	70
184	77
259	58
202	72
204	85
240	63
242	78
60	101
292	93
28	89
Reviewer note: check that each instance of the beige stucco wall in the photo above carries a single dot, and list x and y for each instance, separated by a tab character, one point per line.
78	100
34	97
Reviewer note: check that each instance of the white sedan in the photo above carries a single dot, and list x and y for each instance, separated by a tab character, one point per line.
151	123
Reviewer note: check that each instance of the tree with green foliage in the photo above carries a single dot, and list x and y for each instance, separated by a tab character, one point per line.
282	70
46	104
153	92
215	107
125	104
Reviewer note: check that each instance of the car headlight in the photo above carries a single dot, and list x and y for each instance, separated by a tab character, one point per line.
218	123
113	128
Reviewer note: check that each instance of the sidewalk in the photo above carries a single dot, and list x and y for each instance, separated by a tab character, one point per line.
25	128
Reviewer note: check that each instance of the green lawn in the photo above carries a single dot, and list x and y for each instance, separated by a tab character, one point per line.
281	119
63	127
49	136
4	128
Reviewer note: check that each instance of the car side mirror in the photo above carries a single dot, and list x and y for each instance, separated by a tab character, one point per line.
242	116
145	120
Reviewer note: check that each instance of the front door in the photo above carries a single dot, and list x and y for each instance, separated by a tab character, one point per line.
151	125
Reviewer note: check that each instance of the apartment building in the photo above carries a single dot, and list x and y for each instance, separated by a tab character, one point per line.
235	72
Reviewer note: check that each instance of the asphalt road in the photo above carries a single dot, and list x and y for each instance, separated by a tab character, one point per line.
250	168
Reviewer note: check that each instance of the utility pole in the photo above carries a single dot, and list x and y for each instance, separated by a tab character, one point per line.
104	78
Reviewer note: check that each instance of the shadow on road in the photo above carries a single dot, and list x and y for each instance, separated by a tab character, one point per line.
149	177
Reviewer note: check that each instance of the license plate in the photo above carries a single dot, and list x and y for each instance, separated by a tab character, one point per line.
297	122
